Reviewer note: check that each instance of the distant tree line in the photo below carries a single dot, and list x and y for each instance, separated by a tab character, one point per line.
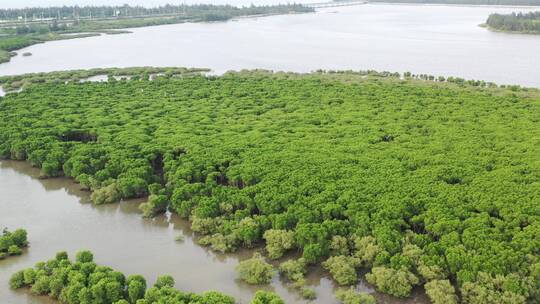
515	22
474	2
126	11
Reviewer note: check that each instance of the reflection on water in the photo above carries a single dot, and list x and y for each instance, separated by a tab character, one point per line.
58	216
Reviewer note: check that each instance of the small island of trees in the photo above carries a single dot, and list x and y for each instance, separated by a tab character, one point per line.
84	281
12	243
525	23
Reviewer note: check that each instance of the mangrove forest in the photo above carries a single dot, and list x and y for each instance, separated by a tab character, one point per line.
413	182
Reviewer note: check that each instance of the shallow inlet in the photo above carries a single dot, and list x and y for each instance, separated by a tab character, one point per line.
58	216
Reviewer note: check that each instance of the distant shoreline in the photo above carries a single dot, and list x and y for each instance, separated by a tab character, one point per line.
16	34
455	4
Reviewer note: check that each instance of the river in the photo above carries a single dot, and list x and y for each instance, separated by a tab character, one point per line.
58	216
428	39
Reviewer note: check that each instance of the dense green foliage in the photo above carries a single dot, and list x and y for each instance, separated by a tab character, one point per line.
12	243
85	282
473	2
413	180
528	23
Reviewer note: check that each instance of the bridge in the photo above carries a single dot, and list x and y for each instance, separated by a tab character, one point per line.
335	4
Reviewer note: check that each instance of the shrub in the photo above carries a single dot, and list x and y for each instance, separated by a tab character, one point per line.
255	271
84	256
19	237
62	255
430	273
42	285
136	286
313	253
130	187
350	296
14	250
308	293
17	280
248	231
164	281
366	249
106	195
441	292
343	269
29	276
11	243
398	283
220	242
214	297
339	245
293	270
156	204
266	297
277	242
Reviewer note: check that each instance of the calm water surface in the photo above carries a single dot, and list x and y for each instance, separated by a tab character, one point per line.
431	39
58	216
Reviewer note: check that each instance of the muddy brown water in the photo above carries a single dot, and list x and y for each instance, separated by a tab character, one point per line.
58	216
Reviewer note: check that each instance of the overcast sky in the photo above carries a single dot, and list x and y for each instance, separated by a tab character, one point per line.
27	3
